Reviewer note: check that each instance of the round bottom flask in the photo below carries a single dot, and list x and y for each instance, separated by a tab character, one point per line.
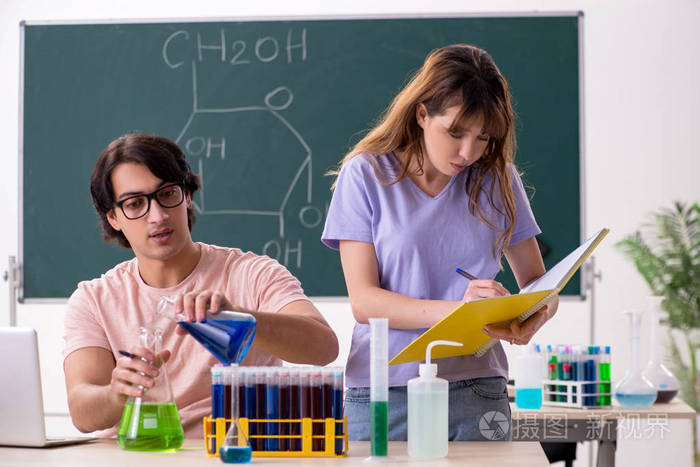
656	372
634	391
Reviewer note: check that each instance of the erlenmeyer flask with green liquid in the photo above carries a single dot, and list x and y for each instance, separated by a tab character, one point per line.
151	422
236	448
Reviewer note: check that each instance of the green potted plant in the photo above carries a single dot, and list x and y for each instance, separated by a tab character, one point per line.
666	252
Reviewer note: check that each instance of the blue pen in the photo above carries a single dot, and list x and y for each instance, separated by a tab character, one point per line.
466	274
136	357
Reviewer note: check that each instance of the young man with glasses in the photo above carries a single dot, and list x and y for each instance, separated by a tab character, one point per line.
142	189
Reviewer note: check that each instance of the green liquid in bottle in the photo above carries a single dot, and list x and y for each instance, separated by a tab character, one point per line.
156	427
379	423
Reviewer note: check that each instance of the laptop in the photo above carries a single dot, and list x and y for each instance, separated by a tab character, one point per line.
21	400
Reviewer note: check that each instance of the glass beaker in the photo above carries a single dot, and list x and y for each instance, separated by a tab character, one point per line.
151	422
236	448
634	391
226	334
666	384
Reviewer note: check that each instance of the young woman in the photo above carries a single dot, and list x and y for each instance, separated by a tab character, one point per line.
431	188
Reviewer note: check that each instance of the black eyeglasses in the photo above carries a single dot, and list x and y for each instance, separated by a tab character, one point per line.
168	196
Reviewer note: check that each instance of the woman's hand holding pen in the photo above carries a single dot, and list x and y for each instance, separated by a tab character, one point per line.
481	288
484	288
521	333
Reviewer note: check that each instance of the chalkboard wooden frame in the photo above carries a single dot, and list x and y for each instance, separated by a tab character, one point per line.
31	296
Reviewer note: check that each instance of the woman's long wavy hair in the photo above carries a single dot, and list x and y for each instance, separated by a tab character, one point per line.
461	75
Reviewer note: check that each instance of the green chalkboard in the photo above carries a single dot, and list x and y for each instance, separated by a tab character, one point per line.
262	110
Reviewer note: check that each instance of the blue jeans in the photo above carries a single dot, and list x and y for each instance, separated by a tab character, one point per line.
478	411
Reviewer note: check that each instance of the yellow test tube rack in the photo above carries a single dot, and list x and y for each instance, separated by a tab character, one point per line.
215	433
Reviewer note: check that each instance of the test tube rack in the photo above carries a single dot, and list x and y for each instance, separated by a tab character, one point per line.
573	394
215	434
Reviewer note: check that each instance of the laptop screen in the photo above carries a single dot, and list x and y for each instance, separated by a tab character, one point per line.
21	402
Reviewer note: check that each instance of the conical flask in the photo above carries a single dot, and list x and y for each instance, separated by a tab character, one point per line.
666	384
226	334
151	422
236	448
634	391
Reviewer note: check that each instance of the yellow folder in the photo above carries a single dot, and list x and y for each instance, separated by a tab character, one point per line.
466	322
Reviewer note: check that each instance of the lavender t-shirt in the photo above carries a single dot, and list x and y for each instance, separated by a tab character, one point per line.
420	241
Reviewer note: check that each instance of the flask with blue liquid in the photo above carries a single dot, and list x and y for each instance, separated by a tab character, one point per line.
236	448
226	334
635	391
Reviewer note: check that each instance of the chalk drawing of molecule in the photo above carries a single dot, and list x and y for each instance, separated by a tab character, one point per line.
250	159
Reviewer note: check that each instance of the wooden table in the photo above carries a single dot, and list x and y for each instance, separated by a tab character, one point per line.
565	425
108	453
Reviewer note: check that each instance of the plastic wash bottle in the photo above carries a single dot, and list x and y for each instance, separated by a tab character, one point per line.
427	410
528	379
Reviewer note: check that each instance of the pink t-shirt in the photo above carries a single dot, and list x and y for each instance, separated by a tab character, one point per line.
107	313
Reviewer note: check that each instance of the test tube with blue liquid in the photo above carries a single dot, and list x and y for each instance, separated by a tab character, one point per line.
338	407
596	373
271	407
248	409
327	395
217	398
379	387
561	360
590	377
574	372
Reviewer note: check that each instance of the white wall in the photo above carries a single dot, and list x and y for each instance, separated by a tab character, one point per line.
641	114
